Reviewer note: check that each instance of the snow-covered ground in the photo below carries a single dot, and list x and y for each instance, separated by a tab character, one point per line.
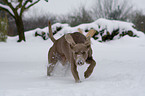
120	69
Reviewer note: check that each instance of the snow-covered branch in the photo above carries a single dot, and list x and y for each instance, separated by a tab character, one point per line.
6	8
17	7
31	4
27	4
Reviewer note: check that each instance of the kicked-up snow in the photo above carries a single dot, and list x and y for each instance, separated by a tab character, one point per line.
120	69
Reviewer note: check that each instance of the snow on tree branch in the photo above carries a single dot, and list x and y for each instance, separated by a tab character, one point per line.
6	8
26	4
14	7
32	3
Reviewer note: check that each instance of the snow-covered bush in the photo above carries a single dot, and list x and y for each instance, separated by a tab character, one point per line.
105	29
112	29
3	29
55	29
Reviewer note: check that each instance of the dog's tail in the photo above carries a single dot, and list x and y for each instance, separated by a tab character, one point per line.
50	32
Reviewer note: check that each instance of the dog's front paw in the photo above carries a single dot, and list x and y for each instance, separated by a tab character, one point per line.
87	74
78	81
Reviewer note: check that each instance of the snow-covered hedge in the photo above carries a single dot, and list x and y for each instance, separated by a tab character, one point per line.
105	29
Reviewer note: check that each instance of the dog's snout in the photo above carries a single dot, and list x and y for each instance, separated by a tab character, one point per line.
80	61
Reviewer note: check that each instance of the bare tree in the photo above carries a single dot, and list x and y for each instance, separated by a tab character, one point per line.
112	9
16	8
138	18
39	22
76	17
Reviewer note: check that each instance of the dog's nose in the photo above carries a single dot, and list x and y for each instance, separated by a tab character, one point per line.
80	62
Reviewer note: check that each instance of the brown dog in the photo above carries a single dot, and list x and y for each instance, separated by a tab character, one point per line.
74	48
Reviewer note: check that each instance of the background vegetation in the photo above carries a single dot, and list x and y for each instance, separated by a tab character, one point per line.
109	9
3	28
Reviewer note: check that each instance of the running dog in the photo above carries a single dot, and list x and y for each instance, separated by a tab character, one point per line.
74	48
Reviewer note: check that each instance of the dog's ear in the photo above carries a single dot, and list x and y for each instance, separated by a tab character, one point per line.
91	33
79	29
88	41
69	39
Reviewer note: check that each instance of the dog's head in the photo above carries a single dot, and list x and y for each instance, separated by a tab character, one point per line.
80	50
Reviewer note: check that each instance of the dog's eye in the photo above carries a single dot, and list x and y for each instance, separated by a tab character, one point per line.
76	52
83	52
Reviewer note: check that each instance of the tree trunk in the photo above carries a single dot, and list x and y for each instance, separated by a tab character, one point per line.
20	28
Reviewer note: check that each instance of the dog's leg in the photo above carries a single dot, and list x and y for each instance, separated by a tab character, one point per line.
50	68
52	59
89	71
75	72
63	60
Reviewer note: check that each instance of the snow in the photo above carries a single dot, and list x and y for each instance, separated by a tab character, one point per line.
119	71
14	3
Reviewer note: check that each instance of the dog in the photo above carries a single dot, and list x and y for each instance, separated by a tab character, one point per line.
74	48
